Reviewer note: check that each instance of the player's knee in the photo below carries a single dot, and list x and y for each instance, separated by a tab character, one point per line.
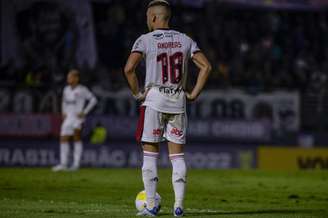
64	139
77	136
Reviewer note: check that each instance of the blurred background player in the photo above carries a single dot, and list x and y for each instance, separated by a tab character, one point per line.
163	111
74	110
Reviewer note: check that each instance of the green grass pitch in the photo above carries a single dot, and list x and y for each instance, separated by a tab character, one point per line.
210	193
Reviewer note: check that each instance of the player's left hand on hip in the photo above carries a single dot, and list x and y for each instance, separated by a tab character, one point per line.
190	97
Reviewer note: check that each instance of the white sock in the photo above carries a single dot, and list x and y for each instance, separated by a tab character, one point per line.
150	177
78	148
64	152
178	178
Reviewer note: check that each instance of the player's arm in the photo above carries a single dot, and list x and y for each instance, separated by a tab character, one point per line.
204	70
130	74
63	106
92	101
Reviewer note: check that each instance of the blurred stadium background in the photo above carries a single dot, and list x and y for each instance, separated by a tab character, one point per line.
266	98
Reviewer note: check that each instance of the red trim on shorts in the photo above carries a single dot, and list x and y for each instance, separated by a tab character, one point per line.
140	125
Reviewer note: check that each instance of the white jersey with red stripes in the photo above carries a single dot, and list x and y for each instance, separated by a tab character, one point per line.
166	53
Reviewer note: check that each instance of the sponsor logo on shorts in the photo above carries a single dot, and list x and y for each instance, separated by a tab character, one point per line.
157	132
177	132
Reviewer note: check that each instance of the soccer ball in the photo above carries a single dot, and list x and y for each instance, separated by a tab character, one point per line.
141	200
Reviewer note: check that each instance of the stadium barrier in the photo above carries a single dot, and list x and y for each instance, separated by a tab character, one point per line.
287	158
281	108
282	4
121	127
45	153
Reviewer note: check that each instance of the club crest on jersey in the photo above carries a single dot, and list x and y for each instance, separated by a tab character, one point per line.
158	36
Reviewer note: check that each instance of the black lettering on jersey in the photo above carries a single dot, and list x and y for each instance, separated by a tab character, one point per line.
166	45
158	36
170	90
170	34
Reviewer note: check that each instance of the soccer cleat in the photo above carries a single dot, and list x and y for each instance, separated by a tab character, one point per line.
150	213
178	212
59	168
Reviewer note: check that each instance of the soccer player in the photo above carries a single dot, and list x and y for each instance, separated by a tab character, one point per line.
74	110
163	111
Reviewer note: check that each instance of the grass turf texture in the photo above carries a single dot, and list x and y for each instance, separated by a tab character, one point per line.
211	193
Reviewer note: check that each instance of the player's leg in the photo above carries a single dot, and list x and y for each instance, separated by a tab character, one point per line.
175	133
78	149
65	134
149	134
149	172
179	172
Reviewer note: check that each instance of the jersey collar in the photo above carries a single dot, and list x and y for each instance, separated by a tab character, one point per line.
163	29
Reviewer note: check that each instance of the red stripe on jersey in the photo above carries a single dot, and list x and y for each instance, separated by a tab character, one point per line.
140	125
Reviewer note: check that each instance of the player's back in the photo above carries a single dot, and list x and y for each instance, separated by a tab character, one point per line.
166	53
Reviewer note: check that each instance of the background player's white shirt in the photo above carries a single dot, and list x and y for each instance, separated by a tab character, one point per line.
74	100
166	53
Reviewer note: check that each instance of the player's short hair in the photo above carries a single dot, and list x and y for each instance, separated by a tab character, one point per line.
75	71
164	4
159	3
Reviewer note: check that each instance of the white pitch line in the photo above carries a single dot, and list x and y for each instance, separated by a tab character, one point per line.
124	208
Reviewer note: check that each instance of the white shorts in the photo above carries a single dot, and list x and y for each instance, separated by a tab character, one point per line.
155	126
69	125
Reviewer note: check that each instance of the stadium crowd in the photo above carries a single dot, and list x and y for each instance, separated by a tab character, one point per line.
255	49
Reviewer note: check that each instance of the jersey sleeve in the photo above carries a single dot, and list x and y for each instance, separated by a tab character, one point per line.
194	48
91	98
87	94
139	45
63	106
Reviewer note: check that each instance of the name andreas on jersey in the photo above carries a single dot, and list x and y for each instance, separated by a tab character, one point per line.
166	53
